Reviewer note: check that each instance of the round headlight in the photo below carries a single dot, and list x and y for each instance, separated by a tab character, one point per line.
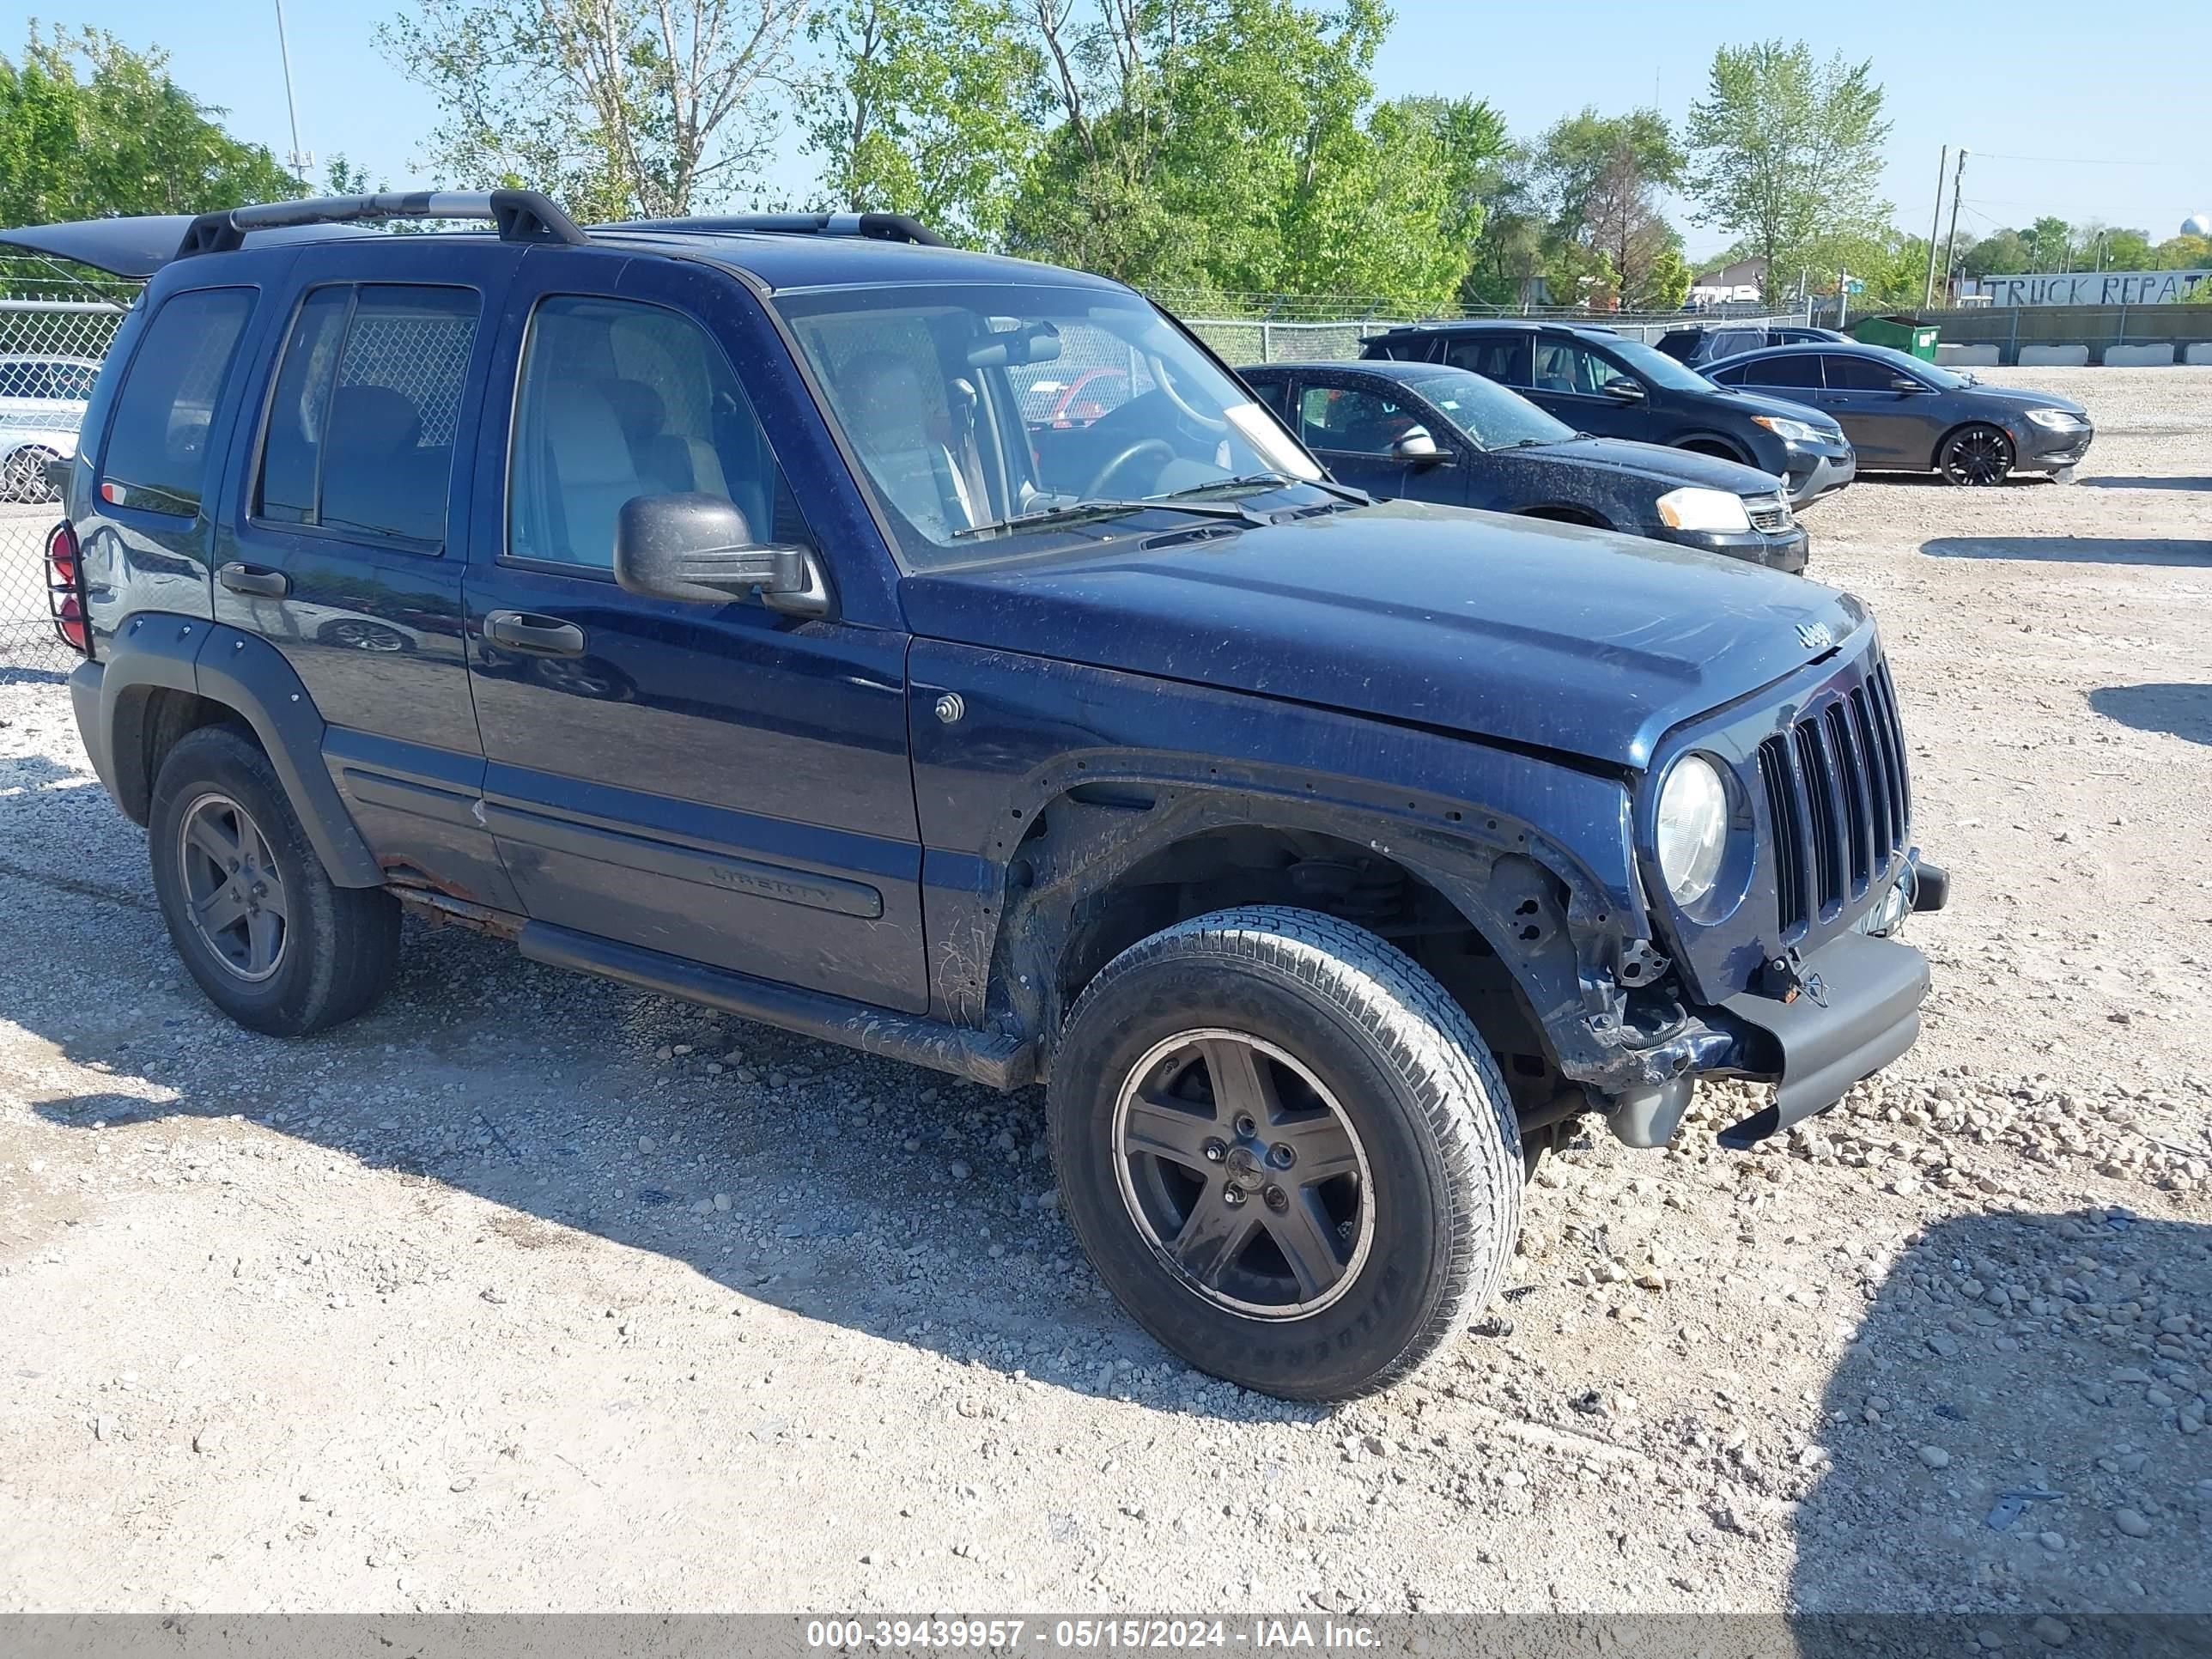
1693	827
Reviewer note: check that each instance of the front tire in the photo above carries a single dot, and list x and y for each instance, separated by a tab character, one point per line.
1976	457
1287	1150
259	922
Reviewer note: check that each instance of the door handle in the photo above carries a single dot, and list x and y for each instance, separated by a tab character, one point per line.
254	579
543	636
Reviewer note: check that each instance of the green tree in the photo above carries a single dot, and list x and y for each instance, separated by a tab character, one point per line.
616	107
1600	177
2181	253
931	107
2050	243
1787	152
89	127
2000	253
1474	152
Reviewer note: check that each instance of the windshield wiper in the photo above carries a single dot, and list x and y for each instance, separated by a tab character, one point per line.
1077	512
1263	480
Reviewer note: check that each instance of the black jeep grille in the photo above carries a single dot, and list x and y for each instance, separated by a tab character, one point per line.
1838	799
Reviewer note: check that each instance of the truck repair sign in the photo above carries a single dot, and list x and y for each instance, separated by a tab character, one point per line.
2094	288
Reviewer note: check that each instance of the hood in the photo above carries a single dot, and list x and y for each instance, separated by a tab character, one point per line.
1666	468
2018	400
1546	635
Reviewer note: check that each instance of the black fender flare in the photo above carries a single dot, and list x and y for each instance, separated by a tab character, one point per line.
244	673
1736	451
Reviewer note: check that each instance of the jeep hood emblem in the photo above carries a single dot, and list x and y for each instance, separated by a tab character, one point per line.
1815	636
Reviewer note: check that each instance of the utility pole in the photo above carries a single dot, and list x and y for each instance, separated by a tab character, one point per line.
1951	246
299	159
1936	229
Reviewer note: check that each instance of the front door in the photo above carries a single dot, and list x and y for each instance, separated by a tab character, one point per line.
1570	381
347	544
1355	429
1885	424
724	783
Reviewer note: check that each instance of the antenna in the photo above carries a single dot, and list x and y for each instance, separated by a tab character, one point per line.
299	160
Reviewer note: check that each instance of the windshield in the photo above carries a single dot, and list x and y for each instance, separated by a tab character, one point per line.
1658	366
1493	415
973	404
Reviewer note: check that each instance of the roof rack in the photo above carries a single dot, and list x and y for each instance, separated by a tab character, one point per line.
878	227
522	216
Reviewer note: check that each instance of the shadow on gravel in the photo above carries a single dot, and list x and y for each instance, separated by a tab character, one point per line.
540	1091
2122	481
2185	711
2016	1433
2072	550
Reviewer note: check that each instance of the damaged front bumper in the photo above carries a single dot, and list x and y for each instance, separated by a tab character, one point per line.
1850	1008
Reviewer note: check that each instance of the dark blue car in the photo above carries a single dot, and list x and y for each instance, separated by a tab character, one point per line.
757	611
1432	433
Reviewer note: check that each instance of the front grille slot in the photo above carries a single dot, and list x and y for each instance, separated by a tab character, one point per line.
1769	513
1839	805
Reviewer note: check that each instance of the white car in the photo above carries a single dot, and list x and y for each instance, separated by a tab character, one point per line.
42	403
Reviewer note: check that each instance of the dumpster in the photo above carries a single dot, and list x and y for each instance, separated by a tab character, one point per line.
1905	334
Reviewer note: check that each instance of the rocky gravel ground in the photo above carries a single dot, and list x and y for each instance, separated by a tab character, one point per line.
529	1292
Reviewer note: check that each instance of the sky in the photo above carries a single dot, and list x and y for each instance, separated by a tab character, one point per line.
2087	112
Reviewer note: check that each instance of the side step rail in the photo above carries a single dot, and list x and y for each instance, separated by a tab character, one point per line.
984	1057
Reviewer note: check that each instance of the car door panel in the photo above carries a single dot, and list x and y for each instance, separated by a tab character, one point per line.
724	783
352	566
1887	427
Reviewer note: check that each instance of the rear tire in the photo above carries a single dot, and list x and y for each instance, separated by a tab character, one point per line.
271	940
1379	1174
23	475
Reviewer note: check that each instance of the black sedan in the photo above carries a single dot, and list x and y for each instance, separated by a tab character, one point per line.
1905	416
1434	432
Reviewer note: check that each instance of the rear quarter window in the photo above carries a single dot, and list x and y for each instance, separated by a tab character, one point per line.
160	439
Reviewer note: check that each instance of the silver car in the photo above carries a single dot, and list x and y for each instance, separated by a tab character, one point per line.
42	403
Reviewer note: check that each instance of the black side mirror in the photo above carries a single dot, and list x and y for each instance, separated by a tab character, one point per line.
697	547
1629	392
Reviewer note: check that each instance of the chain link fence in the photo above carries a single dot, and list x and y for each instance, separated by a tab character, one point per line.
55	330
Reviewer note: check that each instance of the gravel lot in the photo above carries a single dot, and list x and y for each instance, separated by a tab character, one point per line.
529	1292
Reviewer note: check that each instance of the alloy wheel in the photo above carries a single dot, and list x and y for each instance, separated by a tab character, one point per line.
1980	456
1243	1173
234	896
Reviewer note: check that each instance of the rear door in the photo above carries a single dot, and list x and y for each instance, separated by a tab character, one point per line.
727	784
347	538
1500	355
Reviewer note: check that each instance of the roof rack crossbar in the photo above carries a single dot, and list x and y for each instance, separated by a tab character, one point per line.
522	216
879	227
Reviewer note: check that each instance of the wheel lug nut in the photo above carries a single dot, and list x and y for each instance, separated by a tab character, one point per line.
1215	1152
1232	1196
1278	1199
1244	1124
1282	1156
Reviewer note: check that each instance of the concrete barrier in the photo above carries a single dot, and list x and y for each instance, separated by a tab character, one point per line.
2139	357
2057	356
2199	353
1966	356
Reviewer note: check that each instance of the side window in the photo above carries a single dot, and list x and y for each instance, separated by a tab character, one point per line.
158	442
1500	357
1094	374
360	426
1800	370
1275	393
1857	374
1353	423
618	399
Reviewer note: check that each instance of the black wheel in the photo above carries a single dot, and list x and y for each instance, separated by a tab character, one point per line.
1287	1150
248	904
1710	447
23	475
1975	457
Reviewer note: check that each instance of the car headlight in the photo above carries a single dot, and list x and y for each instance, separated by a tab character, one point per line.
2058	420
1693	827
1789	431
1691	508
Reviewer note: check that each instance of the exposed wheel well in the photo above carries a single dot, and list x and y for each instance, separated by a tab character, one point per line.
148	725
1718	448
1217	869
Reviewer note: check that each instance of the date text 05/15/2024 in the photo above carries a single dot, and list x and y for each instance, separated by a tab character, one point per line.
1087	1635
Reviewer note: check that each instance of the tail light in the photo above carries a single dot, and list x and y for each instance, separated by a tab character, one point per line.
65	588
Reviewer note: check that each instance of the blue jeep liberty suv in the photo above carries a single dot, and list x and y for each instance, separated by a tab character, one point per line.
945	655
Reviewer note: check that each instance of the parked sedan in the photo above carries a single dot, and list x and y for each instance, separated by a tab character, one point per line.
1905	416
1709	342
1438	434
